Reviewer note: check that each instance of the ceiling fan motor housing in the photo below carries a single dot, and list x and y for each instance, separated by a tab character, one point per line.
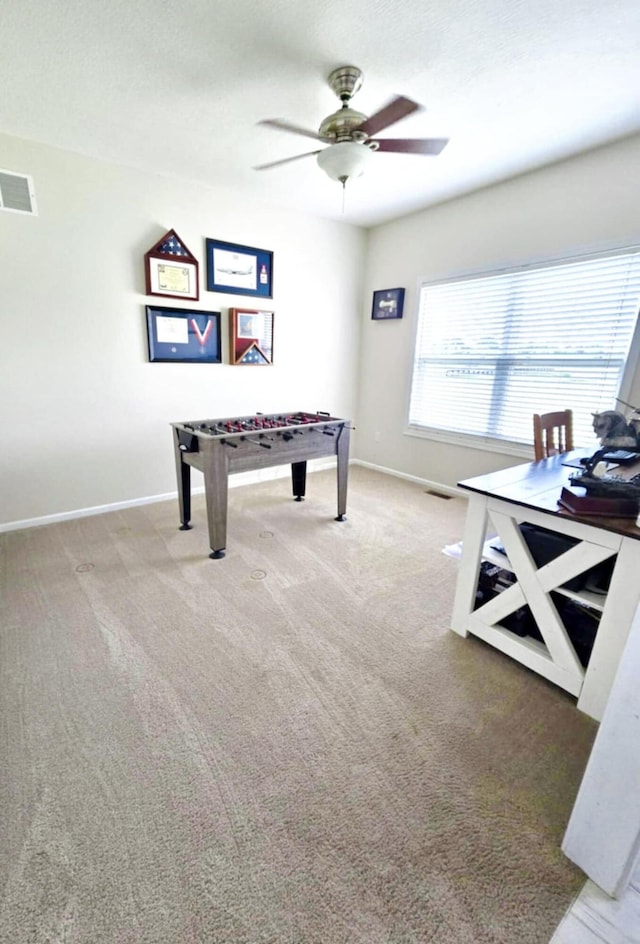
345	81
341	124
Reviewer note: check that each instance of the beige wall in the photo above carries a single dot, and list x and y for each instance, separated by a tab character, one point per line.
590	203
85	417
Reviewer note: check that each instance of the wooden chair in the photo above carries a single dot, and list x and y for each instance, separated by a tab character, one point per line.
552	433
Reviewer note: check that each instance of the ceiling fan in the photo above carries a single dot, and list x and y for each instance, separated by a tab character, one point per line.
349	133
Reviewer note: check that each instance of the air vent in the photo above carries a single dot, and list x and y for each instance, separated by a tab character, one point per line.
17	193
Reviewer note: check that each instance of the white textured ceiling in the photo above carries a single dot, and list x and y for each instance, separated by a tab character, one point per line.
178	88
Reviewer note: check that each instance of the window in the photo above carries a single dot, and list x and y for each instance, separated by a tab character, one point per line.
493	350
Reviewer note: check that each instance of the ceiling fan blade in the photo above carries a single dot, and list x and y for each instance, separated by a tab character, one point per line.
287	126
285	160
397	108
412	145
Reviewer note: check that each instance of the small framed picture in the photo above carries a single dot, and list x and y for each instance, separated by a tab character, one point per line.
183	335
251	336
387	303
171	270
239	270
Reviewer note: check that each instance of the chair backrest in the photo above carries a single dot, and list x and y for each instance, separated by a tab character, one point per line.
552	433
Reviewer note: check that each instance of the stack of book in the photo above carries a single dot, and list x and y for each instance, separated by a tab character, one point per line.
576	499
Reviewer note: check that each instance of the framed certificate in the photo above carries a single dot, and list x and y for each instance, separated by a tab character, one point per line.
239	270
171	270
183	335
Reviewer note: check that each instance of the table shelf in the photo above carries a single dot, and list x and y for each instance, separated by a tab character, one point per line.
595	601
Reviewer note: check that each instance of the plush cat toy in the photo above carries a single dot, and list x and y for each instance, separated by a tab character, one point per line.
613	430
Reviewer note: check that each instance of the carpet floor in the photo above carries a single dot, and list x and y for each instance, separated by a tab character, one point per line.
286	746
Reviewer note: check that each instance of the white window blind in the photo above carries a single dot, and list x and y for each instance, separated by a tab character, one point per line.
493	350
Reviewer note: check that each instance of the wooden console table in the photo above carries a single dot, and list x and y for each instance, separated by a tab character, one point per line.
498	504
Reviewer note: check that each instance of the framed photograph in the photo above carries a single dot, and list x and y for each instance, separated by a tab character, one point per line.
387	303
171	270
239	270
183	335
251	336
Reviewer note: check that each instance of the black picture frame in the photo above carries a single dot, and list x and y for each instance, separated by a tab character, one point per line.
183	335
239	270
387	304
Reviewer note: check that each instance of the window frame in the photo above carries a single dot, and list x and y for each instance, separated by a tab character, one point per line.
481	441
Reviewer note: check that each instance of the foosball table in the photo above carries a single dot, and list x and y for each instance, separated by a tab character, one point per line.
220	447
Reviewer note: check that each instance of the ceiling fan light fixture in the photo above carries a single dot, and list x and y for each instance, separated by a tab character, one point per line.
350	135
344	160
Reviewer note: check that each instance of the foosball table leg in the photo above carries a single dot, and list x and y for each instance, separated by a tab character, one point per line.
343	471
215	467
184	485
299	479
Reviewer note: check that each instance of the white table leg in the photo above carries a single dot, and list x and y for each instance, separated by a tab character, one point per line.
603	835
472	544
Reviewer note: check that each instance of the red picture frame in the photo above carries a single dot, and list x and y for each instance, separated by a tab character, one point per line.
171	270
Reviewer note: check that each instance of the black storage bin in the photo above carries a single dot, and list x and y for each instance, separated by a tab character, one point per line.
546	545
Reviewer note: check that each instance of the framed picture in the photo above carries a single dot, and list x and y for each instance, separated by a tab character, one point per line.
171	270
239	270
387	303
184	335
251	336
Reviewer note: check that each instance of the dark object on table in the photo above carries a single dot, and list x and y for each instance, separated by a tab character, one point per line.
619	456
607	506
609	485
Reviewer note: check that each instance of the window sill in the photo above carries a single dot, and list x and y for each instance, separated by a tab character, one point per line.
484	444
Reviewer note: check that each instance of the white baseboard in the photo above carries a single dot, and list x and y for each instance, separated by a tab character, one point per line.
235	480
433	486
239	478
